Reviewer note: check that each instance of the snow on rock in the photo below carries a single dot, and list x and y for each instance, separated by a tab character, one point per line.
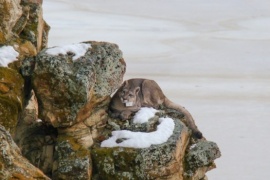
144	114
7	55
78	49
141	139
39	120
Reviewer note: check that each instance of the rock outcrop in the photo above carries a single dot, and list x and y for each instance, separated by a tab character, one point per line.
23	29
180	158
23	32
73	85
22	26
69	85
54	103
200	158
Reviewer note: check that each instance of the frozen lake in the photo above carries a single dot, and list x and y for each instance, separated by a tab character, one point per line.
211	56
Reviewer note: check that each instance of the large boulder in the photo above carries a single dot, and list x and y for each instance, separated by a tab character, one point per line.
200	158
70	81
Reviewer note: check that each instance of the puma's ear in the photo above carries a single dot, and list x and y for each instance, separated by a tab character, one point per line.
125	83
137	89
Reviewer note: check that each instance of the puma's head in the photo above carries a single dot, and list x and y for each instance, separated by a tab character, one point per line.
129	95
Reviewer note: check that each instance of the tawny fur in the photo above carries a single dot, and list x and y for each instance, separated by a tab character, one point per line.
136	93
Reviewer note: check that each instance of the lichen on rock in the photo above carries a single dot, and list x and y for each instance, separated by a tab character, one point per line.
200	159
71	161
67	90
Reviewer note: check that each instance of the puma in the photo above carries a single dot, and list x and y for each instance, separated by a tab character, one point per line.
136	93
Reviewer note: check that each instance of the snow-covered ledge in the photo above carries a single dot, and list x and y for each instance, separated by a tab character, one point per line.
7	55
142	139
159	152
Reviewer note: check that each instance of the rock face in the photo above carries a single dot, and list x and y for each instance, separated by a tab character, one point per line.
12	164
36	139
73	86
22	26
199	159
54	102
11	11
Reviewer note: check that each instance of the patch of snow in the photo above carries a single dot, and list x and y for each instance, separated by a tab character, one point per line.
7	55
142	139
79	50
144	114
38	120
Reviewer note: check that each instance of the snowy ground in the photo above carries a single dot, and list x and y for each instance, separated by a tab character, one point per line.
210	56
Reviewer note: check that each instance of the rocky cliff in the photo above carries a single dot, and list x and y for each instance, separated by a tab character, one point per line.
54	105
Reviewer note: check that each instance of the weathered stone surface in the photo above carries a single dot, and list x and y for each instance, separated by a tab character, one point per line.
163	161
36	29
68	90
11	98
12	164
35	139
200	159
170	160
71	160
10	12
22	26
73	94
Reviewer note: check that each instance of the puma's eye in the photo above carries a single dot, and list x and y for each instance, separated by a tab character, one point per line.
130	95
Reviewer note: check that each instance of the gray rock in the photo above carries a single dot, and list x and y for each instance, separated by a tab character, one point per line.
67	90
201	154
71	162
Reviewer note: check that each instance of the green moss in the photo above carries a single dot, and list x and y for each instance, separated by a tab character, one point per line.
8	114
11	99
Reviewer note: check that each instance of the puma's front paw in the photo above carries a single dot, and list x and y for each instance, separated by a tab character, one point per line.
125	115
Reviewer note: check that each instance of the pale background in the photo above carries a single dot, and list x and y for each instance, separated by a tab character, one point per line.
211	56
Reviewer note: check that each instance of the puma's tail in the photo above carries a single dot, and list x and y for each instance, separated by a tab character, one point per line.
189	119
